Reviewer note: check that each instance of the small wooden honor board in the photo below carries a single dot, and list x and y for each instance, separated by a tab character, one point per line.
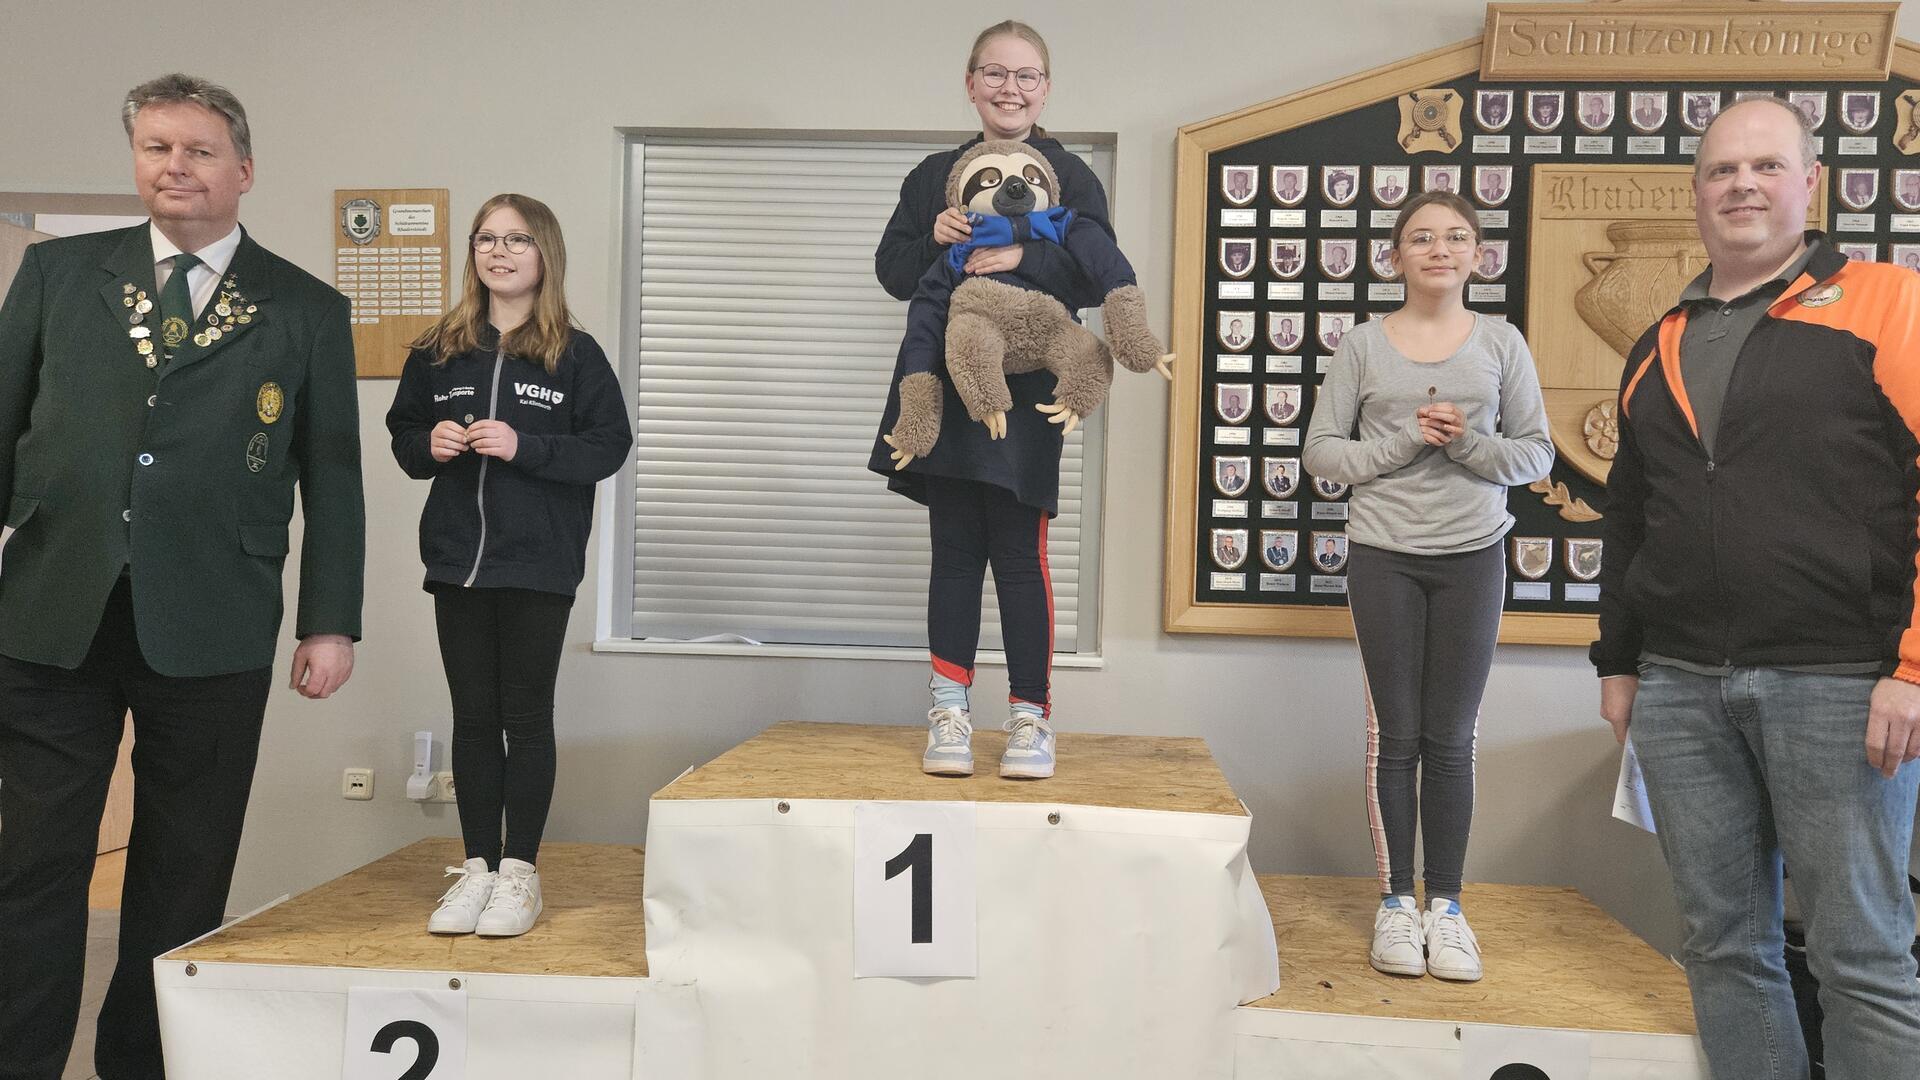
391	261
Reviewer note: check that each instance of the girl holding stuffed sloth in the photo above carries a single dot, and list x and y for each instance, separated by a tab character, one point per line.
990	492
1431	413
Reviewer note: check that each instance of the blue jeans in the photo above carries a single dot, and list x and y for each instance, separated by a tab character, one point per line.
1742	771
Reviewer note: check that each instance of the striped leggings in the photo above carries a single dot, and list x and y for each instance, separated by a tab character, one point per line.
1427	626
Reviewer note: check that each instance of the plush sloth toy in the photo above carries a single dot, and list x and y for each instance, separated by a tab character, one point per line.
997	326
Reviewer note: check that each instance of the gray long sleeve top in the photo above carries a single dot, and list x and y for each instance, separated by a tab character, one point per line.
1420	499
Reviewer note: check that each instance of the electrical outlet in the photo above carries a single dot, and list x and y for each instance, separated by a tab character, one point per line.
443	788
357	784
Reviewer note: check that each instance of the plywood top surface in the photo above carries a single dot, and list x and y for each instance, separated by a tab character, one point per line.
879	762
376	917
1552	960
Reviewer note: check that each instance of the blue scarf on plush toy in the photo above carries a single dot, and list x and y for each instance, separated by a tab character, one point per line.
990	230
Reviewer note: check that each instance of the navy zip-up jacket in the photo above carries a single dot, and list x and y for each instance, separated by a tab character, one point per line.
523	523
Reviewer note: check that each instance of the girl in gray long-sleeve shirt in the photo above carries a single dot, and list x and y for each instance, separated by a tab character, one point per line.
1431	414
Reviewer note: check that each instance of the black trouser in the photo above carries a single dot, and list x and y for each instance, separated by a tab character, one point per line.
972	524
195	741
1427	626
501	650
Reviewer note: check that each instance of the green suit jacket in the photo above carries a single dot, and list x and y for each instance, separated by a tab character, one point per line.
184	471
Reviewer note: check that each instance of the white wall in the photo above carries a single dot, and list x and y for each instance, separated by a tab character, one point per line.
488	96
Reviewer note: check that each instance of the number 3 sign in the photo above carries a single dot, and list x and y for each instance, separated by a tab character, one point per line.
913	890
405	1035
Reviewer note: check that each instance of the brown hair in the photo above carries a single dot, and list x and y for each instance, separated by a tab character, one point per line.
217	99
543	337
1013	28
1452	200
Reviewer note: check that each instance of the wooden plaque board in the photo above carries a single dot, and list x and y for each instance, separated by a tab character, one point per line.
1364	123
391	259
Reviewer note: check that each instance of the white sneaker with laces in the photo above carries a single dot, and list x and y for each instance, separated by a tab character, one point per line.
1452	950
1397	938
1029	753
460	907
515	902
949	743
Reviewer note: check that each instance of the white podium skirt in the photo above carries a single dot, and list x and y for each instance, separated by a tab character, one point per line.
1112	944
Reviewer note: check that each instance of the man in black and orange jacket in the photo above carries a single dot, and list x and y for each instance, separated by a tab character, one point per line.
1757	624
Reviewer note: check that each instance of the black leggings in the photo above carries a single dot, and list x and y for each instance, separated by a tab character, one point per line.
1426	626
972	524
501	649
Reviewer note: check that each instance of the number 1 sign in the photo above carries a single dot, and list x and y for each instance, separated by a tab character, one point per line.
913	890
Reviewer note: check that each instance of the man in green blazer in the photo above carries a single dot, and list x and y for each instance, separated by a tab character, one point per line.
162	391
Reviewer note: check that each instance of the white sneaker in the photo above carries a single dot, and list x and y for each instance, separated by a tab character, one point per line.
460	908
515	902
1029	753
949	745
1397	937
1452	950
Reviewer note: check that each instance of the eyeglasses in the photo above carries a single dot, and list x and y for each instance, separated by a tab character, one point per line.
1456	239
1026	78
517	242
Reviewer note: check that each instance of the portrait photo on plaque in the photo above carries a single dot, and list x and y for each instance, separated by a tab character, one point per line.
1283	403
1329	552
1594	109
1812	105
1331	326
1583	558
1493	109
1544	109
1340	184
1236	329
1858	188
1380	258
1647	110
1236	257
1391	184
1337	257
1491	261
1532	556
1286	257
1231	475
1233	402
1229	548
1906	256
1329	489
1279	547
1857	251
1906	189
1284	330
1859	110
1439	178
1289	184
1492	184
1698	108
1239	183
1280	476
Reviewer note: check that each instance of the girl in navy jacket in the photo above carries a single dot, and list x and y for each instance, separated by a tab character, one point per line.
514	414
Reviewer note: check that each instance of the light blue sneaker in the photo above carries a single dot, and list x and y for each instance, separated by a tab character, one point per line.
949	748
1029	753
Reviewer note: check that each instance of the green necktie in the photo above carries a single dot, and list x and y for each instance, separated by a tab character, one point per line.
176	304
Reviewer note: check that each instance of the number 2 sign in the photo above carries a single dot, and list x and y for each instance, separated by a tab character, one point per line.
913	890
405	1035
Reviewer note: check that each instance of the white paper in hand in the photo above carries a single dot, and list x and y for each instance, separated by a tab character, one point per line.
1630	794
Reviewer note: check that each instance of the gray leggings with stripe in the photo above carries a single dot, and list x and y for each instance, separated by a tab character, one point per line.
1427	626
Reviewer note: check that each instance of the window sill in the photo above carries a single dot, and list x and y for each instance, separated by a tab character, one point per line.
995	658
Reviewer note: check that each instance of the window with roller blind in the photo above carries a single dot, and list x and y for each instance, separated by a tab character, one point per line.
758	347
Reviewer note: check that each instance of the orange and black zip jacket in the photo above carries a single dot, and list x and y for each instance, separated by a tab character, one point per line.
1795	542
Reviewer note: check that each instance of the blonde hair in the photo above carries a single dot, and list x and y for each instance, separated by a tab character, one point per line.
1013	28
543	337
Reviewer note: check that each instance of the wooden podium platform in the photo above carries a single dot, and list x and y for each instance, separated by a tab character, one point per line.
750	917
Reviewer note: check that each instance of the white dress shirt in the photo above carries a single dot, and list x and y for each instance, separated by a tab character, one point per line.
202	279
